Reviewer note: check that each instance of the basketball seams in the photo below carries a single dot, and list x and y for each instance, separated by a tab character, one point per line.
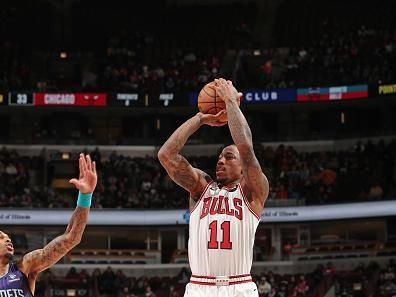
210	86
215	101
211	96
210	103
210	109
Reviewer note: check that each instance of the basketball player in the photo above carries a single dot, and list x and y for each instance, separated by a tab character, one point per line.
225	213
18	279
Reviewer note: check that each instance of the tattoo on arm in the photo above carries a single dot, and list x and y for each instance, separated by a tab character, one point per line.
242	136
178	139
183	176
239	127
251	167
178	168
44	258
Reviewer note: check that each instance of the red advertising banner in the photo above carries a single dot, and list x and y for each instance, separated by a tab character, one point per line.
70	99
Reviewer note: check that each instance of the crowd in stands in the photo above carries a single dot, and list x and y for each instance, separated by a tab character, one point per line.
129	67
151	51
326	44
274	285
359	282
137	183
387	281
115	283
139	55
15	179
24	28
168	57
14	70
338	56
364	173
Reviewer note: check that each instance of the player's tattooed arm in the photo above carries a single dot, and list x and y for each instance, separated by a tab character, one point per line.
178	168
38	260
255	179
41	259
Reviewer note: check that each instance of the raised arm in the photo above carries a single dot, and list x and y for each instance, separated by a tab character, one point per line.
256	181
38	260
179	169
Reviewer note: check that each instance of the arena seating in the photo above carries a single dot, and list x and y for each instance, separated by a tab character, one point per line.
358	282
136	182
334	51
106	256
128	54
137	55
347	58
110	282
386	281
336	251
179	256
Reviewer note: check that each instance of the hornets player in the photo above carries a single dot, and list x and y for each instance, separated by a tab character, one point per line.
18	279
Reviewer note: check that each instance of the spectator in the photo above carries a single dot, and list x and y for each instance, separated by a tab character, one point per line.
329	269
183	276
375	192
120	280
107	281
273	292
72	274
302	287
264	287
84	276
283	290
287	249
125	293
173	292
389	274
148	292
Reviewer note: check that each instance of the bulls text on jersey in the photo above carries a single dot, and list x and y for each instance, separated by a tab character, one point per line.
222	205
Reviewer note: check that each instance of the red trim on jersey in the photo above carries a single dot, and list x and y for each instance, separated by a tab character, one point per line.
228	189
214	277
200	198
214	284
247	203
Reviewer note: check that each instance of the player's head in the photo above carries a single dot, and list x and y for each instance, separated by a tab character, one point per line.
229	166
6	247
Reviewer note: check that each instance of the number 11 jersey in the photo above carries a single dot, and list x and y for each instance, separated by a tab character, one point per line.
222	231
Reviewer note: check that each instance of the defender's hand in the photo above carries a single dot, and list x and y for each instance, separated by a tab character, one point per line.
212	119
87	180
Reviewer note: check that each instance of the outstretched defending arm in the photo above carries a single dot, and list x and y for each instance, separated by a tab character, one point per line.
255	179
38	260
179	169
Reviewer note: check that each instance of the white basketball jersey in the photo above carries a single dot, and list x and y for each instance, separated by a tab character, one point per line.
222	229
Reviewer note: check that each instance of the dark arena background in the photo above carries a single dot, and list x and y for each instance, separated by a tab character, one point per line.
115	79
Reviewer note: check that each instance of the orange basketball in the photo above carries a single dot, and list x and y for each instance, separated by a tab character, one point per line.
209	102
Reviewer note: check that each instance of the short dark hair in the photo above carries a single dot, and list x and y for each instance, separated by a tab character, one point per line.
224	146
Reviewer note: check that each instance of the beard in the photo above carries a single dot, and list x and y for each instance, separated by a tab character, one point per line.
9	257
220	181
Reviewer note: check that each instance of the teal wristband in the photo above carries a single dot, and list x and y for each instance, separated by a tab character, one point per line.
84	200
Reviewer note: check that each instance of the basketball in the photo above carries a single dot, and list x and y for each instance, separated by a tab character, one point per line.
209	102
